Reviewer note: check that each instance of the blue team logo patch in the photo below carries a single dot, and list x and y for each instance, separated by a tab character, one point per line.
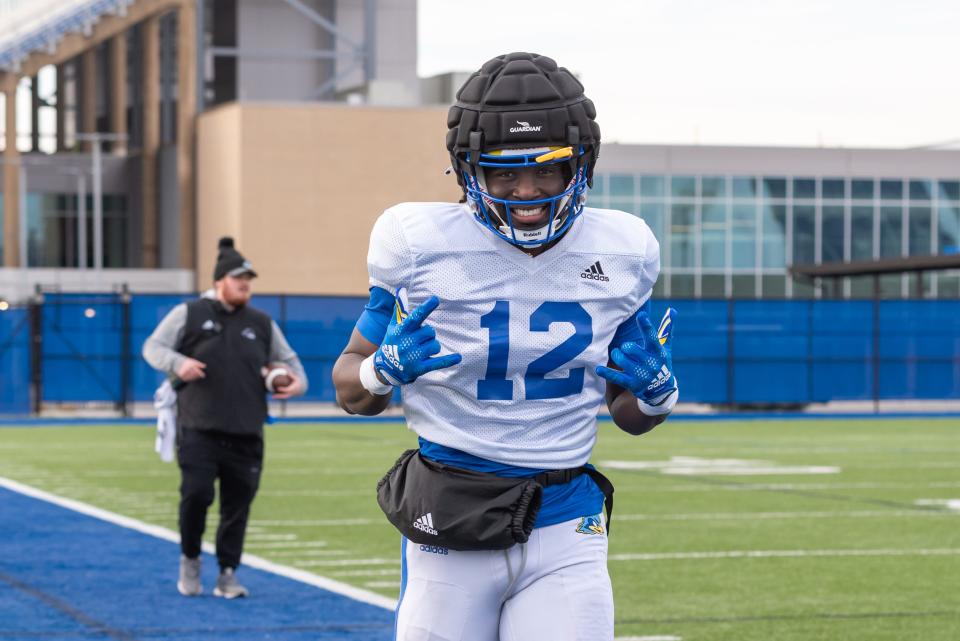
590	525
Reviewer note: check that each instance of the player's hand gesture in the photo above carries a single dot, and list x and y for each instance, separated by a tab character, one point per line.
406	351
647	367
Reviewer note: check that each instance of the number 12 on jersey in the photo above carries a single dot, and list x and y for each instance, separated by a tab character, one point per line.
495	386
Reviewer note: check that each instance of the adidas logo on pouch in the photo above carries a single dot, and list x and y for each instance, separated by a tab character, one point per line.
662	377
525	126
594	272
425	524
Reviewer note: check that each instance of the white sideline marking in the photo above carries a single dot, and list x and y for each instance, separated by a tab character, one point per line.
332	585
767	554
738	516
691	465
950	504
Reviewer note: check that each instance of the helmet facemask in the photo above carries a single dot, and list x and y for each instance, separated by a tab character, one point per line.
497	213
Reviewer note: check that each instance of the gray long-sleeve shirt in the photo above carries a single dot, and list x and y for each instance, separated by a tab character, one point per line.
159	352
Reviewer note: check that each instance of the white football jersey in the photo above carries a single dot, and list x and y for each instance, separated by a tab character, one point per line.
530	329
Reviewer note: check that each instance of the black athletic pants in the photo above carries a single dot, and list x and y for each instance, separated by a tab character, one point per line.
205	456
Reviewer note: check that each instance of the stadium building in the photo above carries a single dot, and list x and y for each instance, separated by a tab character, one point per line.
137	132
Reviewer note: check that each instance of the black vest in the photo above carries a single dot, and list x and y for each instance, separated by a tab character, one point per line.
234	346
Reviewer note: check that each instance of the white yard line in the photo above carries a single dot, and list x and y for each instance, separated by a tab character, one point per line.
768	554
349	591
351	562
315	522
656	637
383	572
752	516
288	545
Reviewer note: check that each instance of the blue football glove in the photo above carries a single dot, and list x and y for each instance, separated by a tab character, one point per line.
647	366
406	350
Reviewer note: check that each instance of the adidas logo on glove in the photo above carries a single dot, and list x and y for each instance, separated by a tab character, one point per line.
662	377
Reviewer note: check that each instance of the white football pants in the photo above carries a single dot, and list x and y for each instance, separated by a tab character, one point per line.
560	592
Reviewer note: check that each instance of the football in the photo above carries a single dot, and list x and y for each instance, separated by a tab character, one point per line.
276	376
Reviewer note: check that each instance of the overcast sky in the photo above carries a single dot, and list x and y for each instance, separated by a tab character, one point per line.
850	73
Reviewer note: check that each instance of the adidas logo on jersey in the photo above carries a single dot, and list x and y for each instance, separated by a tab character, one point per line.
525	126
425	524
594	272
662	376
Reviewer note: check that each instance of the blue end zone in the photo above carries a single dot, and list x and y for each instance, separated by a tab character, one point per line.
65	575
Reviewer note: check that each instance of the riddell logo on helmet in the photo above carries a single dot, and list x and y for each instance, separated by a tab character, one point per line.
524	126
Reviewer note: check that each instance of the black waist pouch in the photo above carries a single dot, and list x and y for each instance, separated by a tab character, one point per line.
435	504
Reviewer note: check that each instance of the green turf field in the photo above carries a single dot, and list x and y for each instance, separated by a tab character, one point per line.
740	530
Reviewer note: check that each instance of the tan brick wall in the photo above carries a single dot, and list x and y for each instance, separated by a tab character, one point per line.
300	185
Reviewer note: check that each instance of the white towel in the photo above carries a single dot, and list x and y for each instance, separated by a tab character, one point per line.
165	402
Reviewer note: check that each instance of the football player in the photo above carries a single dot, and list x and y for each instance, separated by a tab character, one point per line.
506	320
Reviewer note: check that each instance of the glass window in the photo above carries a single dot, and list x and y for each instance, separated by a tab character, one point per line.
921	222
599	185
861	246
948	189
713	186
804	221
628	205
921	189
653	214
774	187
774	286
659	290
744	236
804	188
802	288
862	189
714	248
833	188
744	187
832	237
621	185
891	232
2	225
651	186
891	189
683	186
774	220
714	212
713	216
681	286
712	286
948	223
682	238
744	286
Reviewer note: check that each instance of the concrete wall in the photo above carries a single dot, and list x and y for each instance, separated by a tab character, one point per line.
300	185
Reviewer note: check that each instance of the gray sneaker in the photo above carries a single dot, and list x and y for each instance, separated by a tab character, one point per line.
189	582
227	585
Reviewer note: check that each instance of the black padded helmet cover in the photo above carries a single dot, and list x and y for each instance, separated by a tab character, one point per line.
521	100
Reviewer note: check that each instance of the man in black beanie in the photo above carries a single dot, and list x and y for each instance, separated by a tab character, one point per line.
216	350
